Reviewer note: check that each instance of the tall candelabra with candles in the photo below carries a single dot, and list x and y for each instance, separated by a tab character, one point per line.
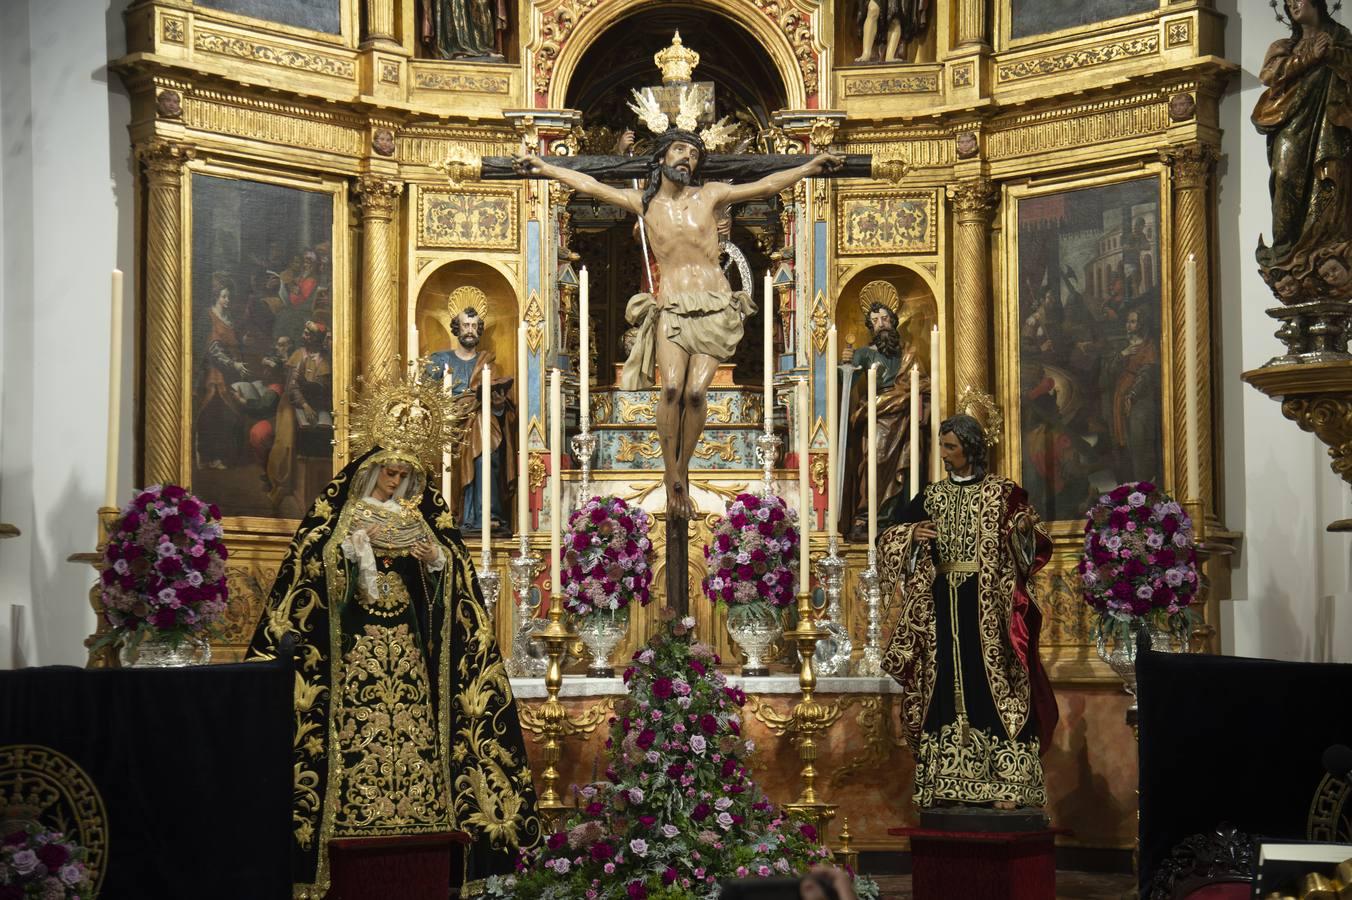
833	651
557	633
584	442
767	445
524	567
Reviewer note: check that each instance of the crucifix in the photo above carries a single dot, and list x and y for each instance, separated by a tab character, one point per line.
691	320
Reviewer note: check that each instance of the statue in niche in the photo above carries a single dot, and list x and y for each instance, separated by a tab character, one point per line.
894	356
902	21
465	365
464	29
1306	113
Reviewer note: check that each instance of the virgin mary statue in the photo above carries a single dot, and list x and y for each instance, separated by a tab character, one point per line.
404	718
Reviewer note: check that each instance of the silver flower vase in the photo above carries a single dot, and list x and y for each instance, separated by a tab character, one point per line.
160	652
1119	652
753	627
601	632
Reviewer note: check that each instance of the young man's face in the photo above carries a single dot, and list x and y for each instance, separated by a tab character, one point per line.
950	451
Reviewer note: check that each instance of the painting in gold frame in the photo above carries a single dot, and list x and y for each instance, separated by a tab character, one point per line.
1084	336
324	19
1024	22
264	361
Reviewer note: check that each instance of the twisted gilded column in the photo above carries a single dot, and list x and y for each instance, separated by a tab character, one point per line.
167	444
974	203
378	200
1191	166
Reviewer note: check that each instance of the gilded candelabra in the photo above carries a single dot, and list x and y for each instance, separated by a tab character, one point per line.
106	656
809	717
552	716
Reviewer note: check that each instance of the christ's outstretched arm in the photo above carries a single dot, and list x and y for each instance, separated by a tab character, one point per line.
580	182
778	181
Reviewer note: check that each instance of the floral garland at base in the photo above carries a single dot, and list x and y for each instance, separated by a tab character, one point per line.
678	811
1139	562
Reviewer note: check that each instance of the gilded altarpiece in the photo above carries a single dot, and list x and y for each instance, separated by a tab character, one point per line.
998	113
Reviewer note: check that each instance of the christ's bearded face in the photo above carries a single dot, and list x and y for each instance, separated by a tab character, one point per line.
680	161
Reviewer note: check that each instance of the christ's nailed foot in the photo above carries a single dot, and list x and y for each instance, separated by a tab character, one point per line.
678	500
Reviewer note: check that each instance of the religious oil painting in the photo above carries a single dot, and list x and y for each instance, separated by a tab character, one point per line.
1089	300
315	15
1030	18
262	345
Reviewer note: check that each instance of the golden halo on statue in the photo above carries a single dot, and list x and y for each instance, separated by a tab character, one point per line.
467	296
884	292
982	406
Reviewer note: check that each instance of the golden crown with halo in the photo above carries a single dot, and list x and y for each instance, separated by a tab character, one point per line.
410	416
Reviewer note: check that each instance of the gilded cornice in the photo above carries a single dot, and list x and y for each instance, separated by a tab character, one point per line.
1058	63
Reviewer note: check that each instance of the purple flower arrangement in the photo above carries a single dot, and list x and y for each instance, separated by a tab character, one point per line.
164	566
37	864
606	551
751	553
1140	561
678	810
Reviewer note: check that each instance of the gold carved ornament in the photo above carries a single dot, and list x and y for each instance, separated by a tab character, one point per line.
724	450
1083	58
461	164
677	61
533	719
537	472
637	413
817	472
630	450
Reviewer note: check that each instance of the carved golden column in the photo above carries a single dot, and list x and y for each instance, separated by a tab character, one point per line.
379	199
1191	165
379	22
972	23
974	202
167	443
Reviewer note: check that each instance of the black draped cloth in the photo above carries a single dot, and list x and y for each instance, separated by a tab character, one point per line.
191	767
404	721
1234	741
716	167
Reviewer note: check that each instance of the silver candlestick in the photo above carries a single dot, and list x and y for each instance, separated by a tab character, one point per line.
490	582
871	663
832	655
584	446
522	570
767	451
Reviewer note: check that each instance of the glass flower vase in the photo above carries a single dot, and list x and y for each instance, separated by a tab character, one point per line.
753	627
601	632
1118	650
161	651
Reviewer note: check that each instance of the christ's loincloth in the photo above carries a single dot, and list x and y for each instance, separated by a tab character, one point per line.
707	322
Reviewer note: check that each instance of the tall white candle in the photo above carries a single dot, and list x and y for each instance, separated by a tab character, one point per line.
114	394
872	455
522	433
446	454
486	466
584	346
413	347
936	357
804	488
915	430
832	438
555	480
1193	447
768	349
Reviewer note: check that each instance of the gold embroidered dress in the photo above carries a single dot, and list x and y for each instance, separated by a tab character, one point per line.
405	722
977	706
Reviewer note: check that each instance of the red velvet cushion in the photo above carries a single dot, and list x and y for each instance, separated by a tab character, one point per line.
1227	890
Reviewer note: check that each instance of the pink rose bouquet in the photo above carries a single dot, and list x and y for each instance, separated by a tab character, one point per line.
751	554
606	551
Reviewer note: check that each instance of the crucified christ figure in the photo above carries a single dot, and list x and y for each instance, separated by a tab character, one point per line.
694	320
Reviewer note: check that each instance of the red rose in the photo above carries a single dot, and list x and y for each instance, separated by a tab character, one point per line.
557	840
53	856
646	738
708	724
